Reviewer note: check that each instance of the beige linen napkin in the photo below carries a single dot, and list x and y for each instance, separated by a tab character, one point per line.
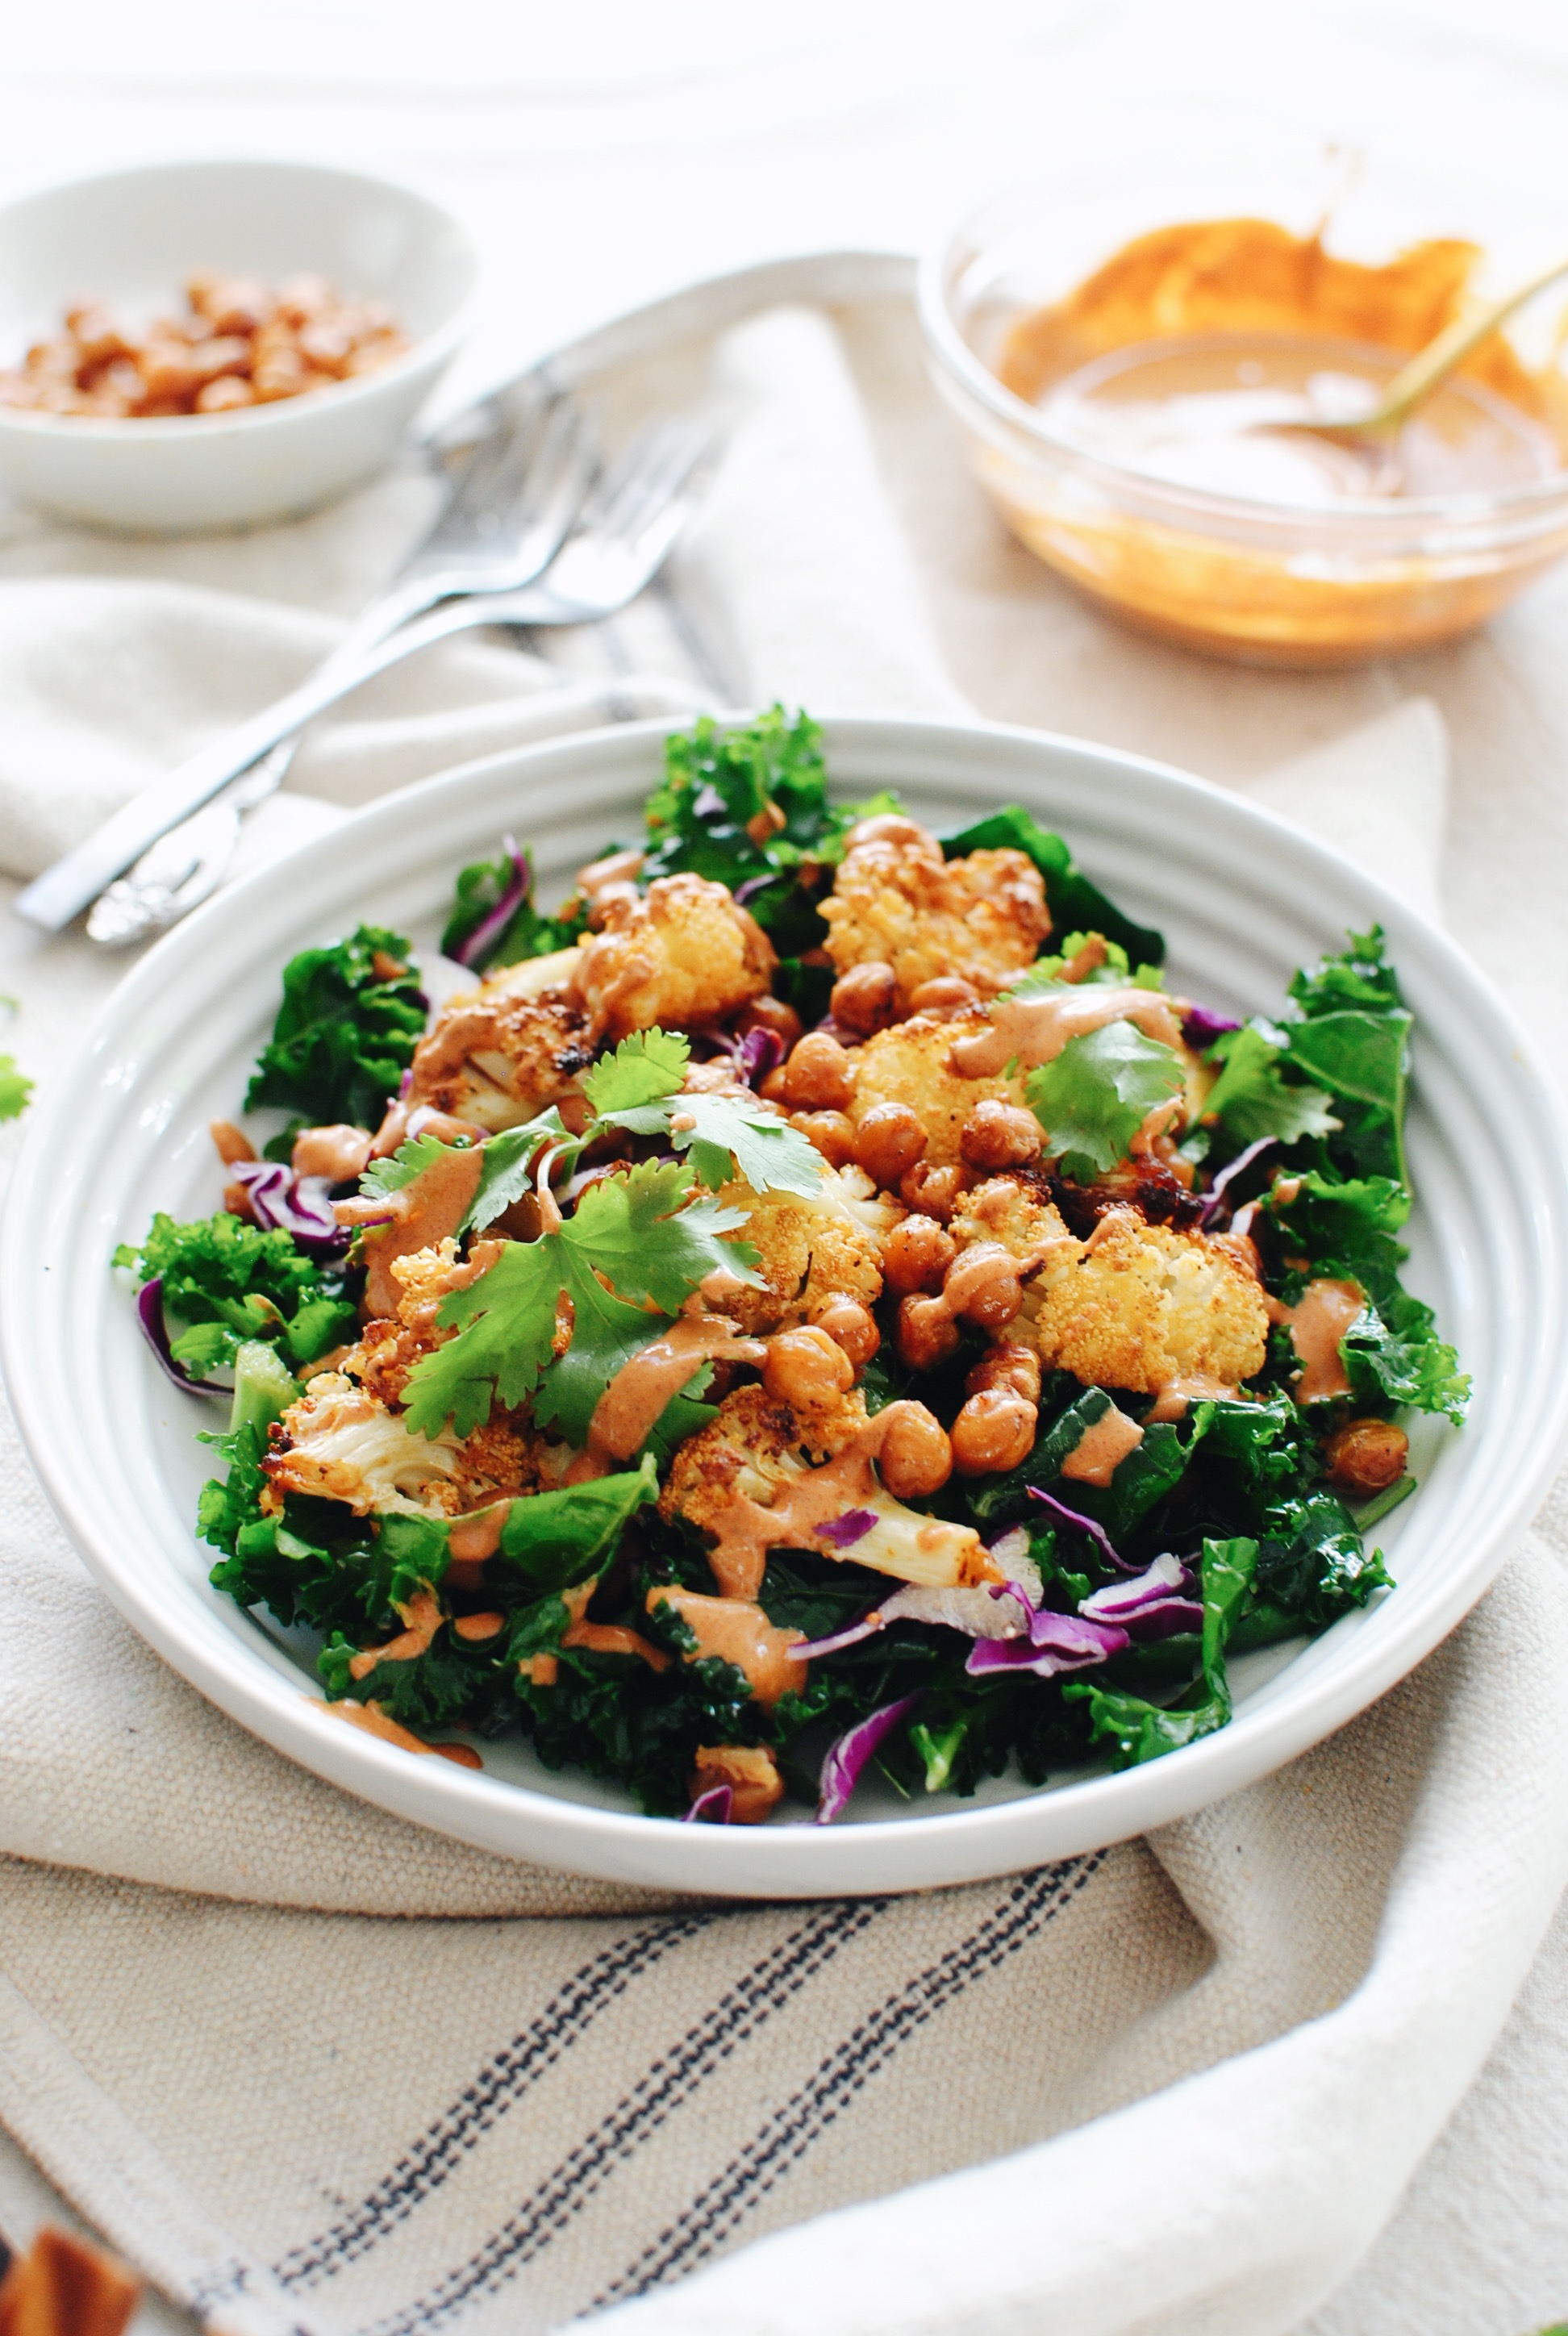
1179	2084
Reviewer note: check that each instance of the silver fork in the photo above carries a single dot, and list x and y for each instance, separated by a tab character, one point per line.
516	494
628	526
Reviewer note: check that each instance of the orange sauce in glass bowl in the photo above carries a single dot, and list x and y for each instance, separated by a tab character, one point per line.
1153	480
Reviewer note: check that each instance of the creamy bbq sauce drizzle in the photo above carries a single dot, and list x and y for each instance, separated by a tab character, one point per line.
624	1417
1317	1322
421	1619
428	1208
1173	1399
1102	1446
746	1531
738	1632
371	1717
1033	1029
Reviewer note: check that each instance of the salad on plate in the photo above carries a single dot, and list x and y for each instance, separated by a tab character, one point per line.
820	1299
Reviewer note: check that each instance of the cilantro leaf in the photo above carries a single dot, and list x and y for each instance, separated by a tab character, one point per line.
1095	1097
1250	1097
16	1089
640	1234
646	1066
351	1017
511	1161
768	1154
638	1088
402	1166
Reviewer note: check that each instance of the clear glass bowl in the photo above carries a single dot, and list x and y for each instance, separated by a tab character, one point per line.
1263	582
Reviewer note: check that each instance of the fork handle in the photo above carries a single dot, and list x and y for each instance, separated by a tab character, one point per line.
51	899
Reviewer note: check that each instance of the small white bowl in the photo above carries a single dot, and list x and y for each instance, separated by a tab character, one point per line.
132	238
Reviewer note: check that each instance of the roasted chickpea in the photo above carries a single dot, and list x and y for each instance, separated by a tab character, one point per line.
917	1255
866	998
983	1286
770	1014
832	1133
916	1458
805	1367
997	1135
889	1140
853	1327
1007	1365
927	1332
819	1073
947	994
1367	1455
934	1192
775	1087
995	1430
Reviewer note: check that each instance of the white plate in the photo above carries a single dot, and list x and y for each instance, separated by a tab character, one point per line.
1242	898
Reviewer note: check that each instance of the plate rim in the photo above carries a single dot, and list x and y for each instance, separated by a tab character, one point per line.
794	1860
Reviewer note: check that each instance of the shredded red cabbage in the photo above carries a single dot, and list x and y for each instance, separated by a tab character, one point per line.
1053	1643
1215	1200
1081	1524
1154	1604
758	1053
808	1650
712	1807
282	1201
846	1759
150	1314
852	1526
1201	1026
487	934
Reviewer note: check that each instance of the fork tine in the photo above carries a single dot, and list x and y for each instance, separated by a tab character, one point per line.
678	455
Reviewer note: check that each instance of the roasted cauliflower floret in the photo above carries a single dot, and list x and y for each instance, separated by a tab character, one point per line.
810	1251
754	1455
897	902
1006	1211
388	1350
910	1064
500	1053
1140	1307
339	1444
681	953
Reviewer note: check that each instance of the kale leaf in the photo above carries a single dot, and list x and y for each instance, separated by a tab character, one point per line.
1251	1097
351	1017
502	890
1139	1729
231	1283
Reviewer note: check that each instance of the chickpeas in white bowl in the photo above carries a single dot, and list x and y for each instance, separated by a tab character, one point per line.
384	264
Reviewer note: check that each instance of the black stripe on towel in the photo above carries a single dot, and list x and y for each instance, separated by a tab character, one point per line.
713	2216
497	2088
671	2082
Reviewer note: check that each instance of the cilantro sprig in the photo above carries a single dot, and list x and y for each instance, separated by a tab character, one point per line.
626	1261
1095	1097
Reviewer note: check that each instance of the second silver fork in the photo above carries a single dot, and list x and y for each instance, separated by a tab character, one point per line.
626	532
